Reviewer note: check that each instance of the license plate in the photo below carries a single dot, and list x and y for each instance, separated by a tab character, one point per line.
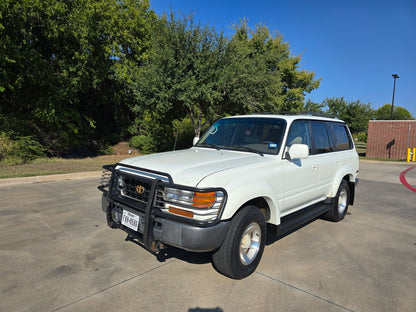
130	220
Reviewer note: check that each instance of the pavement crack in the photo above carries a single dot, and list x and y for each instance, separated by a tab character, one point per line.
303	291
48	226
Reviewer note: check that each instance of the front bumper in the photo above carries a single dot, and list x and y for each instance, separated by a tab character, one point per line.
190	237
153	225
170	232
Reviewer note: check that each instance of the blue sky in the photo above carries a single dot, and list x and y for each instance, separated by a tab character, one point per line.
353	45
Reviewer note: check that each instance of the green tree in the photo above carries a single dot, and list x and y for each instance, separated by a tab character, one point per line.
399	113
196	72
354	113
260	73
182	74
65	68
311	106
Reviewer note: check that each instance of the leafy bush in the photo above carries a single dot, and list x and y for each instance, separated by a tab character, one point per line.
361	136
107	150
6	145
28	148
183	132
24	148
145	144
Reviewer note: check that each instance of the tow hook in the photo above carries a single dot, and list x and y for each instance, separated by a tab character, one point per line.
157	246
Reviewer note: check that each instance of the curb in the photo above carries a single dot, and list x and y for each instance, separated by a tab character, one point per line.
50	178
401	162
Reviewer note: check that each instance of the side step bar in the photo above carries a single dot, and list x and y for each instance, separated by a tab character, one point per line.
301	217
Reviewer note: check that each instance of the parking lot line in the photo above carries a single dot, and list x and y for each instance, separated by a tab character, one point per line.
404	181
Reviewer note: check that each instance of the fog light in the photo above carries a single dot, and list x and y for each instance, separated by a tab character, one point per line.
116	214
104	202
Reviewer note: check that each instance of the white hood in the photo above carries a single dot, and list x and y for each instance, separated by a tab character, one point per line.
189	167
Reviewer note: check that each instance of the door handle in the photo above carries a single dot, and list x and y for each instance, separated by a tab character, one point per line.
315	167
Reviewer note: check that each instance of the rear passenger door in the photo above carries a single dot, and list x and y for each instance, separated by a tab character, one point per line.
343	146
323	155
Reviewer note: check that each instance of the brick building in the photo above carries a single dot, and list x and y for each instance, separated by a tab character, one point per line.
390	138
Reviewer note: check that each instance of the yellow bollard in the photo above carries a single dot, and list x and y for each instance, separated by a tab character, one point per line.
414	154
408	155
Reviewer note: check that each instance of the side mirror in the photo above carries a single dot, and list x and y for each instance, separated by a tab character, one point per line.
298	151
195	140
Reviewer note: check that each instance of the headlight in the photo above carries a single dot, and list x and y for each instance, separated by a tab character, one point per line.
120	182
178	196
199	205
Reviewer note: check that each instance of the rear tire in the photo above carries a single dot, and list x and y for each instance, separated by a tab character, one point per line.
243	246
339	208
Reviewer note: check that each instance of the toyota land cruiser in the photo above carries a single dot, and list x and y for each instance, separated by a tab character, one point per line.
243	173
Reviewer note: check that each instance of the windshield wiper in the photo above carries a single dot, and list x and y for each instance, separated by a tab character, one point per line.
249	149
209	145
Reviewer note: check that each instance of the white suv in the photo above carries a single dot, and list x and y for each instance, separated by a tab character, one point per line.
244	172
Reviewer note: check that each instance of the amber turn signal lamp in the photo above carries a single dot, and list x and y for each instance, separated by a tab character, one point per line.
181	212
204	199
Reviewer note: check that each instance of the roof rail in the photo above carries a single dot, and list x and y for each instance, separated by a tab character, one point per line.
318	114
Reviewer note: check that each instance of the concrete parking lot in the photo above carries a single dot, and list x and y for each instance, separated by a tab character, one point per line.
57	254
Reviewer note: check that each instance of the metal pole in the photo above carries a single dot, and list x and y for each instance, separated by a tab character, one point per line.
392	100
408	136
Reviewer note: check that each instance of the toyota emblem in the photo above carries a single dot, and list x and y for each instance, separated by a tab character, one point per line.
140	189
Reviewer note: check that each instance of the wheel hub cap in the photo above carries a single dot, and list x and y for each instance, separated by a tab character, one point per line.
250	243
342	202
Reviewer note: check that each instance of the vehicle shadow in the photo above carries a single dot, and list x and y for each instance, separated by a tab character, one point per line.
169	252
274	234
205	310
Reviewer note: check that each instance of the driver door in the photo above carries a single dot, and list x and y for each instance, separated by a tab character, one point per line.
301	176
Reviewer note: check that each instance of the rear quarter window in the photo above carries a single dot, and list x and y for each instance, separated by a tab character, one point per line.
341	137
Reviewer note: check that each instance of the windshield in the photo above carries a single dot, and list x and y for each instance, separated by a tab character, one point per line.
249	134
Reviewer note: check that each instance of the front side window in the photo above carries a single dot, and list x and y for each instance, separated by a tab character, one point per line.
299	134
250	134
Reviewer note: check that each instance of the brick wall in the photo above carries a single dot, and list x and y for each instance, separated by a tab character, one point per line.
389	138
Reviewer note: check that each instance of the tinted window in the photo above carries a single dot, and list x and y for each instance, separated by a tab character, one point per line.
320	137
299	134
256	134
341	137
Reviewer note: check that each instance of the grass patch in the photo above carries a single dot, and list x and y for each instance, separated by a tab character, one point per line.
361	148
384	159
47	166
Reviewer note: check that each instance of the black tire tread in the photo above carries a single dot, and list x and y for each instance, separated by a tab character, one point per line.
333	214
226	258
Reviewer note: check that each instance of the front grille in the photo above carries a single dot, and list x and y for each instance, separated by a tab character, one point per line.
135	188
159	200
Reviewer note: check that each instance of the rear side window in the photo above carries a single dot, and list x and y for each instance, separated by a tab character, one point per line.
321	138
341	137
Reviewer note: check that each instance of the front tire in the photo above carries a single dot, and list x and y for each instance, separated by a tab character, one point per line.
243	246
340	206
